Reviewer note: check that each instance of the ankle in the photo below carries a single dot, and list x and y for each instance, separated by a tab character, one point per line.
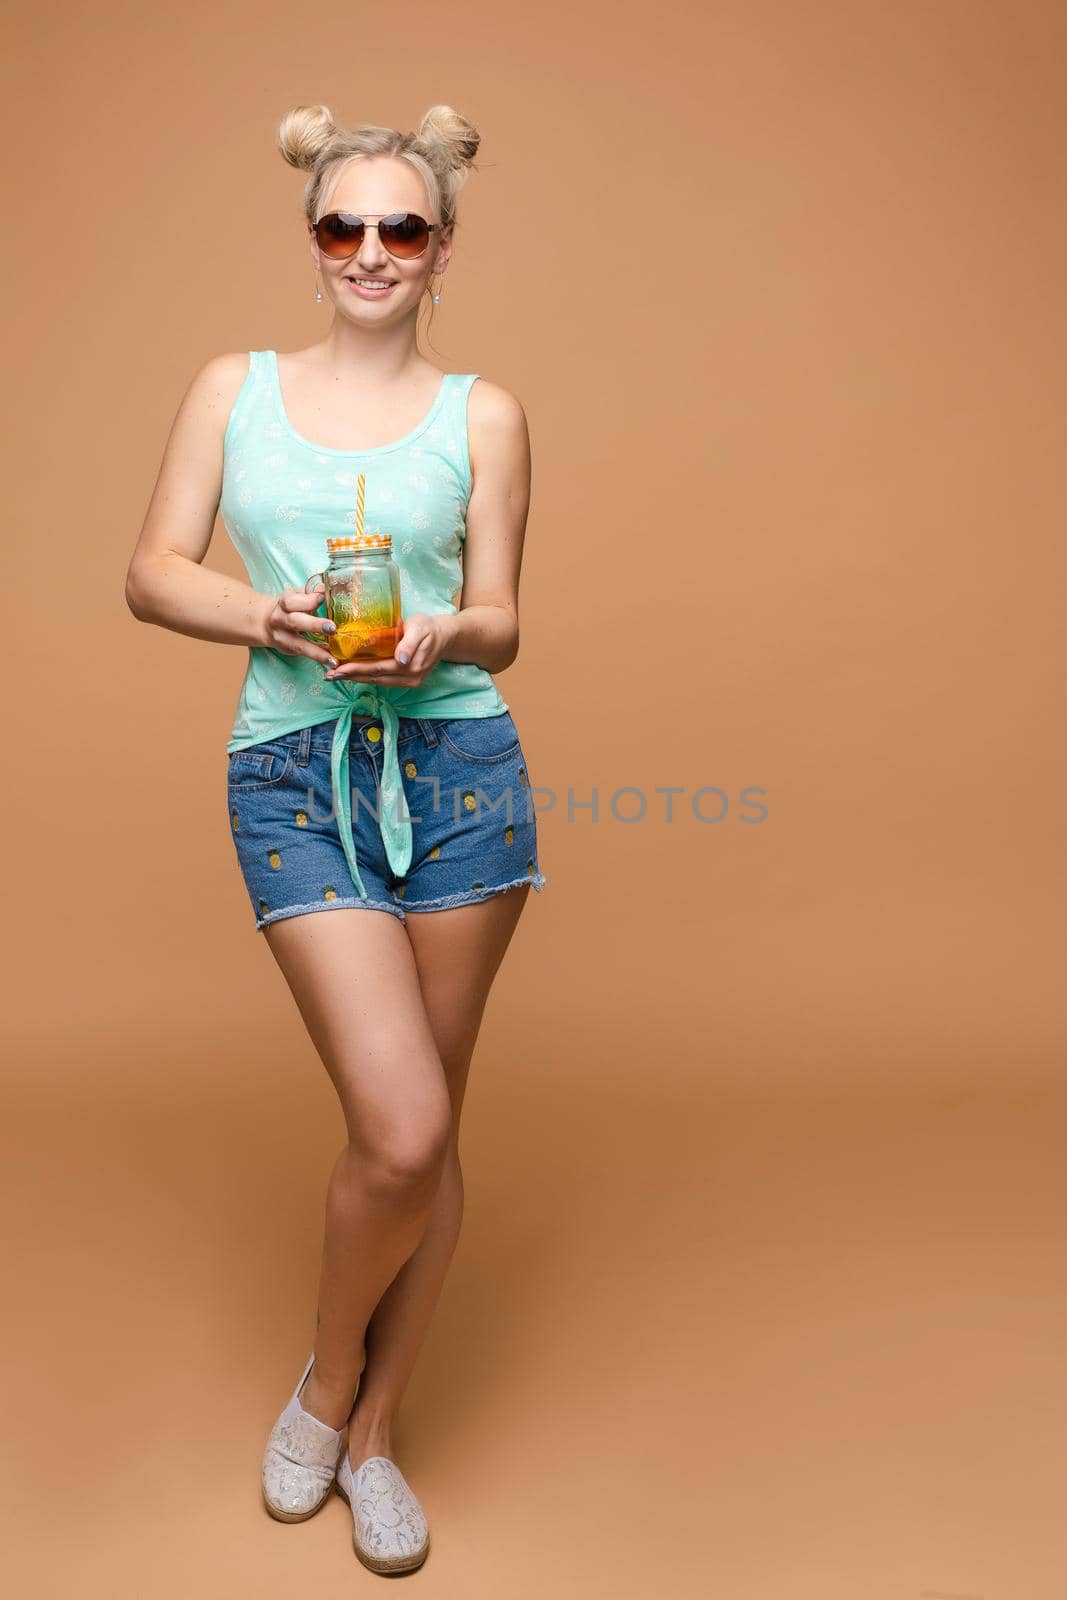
370	1418
328	1402
366	1442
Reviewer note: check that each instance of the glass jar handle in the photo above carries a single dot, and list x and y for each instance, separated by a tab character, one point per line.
318	577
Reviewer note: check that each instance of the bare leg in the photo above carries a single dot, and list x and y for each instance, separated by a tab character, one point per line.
458	953
353	975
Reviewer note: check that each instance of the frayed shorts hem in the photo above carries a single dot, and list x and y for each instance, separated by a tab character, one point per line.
328	905
445	903
472	896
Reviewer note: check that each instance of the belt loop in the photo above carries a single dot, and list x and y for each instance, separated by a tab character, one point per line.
304	748
429	732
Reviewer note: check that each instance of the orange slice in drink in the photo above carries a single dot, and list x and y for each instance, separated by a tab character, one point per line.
353	638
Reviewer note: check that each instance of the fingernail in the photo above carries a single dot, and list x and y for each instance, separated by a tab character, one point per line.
403	657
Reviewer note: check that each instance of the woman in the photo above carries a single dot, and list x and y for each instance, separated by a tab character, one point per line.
320	751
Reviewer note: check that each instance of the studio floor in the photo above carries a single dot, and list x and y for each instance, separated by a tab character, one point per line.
710	1330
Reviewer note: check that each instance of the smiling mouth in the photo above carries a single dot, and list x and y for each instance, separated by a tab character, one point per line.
373	283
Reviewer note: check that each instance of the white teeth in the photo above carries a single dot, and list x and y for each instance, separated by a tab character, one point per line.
370	283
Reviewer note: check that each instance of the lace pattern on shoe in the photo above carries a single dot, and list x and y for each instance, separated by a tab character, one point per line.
300	1461
389	1521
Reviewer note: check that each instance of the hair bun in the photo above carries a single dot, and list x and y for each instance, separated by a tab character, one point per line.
441	150
457	136
303	134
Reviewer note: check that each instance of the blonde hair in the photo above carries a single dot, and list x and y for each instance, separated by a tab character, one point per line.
441	149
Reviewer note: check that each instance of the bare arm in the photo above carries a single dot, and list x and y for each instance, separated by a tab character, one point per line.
165	582
486	628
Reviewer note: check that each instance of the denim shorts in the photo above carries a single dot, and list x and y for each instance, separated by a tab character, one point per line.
474	830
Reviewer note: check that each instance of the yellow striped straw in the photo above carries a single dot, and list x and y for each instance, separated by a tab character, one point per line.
361	501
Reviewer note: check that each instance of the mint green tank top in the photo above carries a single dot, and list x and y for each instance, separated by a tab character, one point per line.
282	496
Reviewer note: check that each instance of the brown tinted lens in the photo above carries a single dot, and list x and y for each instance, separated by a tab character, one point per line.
339	234
404	233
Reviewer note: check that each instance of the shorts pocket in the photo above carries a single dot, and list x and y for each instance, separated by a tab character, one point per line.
261	767
480	738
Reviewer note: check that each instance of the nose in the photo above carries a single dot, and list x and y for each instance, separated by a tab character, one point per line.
372	254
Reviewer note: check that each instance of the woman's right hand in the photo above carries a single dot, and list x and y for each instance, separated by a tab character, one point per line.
289	621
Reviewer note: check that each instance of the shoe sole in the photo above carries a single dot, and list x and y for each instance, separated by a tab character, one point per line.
383	1563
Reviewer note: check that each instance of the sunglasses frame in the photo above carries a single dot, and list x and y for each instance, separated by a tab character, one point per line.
372	221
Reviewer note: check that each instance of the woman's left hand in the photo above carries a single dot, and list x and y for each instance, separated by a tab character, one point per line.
420	647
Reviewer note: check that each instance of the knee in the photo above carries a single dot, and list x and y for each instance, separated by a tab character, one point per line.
407	1157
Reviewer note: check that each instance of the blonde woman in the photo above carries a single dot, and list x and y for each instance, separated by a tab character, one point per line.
397	787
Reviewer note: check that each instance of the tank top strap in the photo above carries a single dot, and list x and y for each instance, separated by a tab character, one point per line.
459	387
252	403
450	429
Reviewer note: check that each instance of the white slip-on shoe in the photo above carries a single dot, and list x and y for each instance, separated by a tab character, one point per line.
300	1461
389	1530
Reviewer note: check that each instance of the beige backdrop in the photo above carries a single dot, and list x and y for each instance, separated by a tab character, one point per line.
761	1286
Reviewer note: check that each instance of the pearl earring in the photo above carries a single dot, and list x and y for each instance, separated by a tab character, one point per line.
318	291
436	298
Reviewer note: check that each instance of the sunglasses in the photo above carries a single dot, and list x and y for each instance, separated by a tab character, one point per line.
403	233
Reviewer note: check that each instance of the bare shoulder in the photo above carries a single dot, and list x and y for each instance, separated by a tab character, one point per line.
495	408
216	385
497	431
